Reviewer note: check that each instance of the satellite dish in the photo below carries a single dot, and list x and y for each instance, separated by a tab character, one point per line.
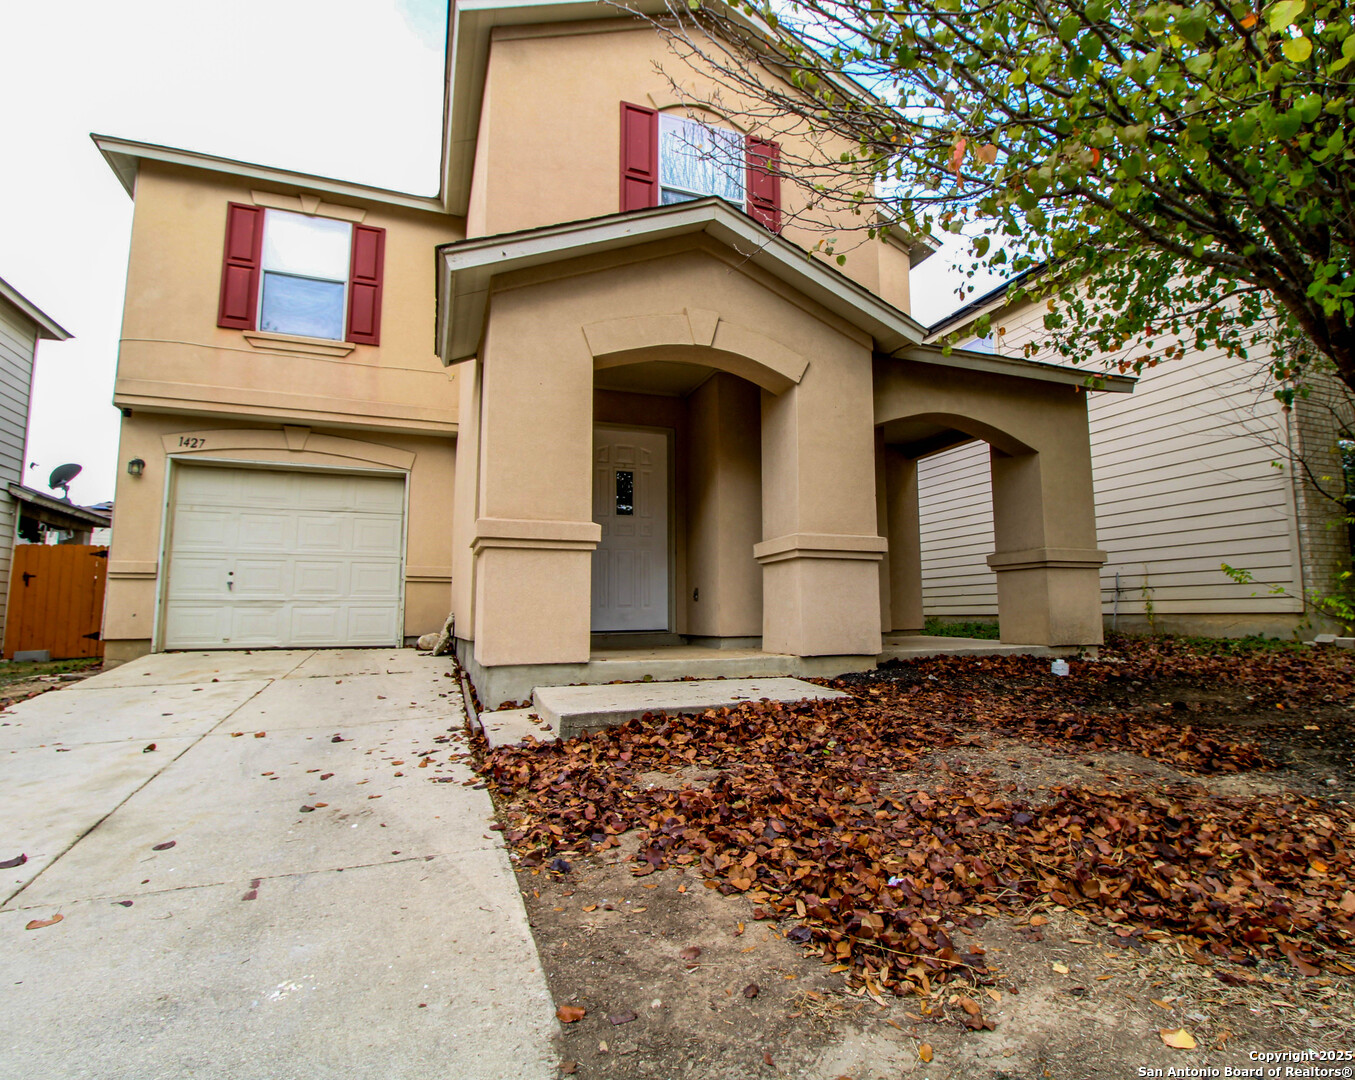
61	478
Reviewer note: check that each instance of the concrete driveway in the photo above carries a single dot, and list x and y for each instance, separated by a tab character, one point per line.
378	934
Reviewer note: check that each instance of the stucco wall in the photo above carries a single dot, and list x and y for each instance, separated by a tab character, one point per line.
549	139
174	356
136	560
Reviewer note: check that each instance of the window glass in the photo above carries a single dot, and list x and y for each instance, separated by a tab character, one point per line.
305	275
982	344
625	493
302	306
306	246
696	160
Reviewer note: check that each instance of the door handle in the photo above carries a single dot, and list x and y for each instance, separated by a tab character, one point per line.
230	585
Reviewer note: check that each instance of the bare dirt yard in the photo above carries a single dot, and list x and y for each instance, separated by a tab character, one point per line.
968	868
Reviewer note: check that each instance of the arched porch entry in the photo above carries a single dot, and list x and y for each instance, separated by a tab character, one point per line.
1045	556
763	404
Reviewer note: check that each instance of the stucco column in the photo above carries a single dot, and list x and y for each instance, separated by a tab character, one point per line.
904	532
819	555
1044	528
533	534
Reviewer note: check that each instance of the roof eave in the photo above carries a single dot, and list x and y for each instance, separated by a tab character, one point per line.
466	270
47	327
124	157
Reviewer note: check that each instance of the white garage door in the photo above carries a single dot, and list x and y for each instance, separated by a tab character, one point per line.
262	558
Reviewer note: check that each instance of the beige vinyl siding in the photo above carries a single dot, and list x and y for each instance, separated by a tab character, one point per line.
1185	478
18	342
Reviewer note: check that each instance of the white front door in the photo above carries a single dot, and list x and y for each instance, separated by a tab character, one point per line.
630	502
267	558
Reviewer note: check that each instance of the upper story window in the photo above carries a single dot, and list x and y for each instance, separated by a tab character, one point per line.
696	160
290	273
305	274
670	159
981	344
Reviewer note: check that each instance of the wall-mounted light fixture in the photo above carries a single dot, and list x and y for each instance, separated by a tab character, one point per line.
135	467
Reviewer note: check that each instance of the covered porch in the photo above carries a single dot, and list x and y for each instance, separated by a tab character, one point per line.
675	457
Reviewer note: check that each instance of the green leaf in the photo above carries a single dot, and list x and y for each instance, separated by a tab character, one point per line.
981	246
1068	28
1285	13
1297	50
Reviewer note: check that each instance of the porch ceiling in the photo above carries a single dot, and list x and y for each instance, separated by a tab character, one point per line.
466	270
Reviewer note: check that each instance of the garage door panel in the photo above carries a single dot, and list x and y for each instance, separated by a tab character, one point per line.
375	535
373	579
201	577
197	624
371	625
314	559
260	579
322	532
203	530
256	621
264	532
320	579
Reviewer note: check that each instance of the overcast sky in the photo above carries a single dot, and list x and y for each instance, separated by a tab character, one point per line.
344	88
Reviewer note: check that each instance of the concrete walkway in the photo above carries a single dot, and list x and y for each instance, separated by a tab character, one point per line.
379	934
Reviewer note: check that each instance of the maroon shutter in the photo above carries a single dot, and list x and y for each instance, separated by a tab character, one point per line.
240	267
364	285
639	157
764	182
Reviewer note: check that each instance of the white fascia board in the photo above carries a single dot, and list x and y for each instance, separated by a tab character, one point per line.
993	364
47	327
125	155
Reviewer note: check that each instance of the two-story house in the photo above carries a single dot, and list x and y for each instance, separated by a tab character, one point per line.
596	391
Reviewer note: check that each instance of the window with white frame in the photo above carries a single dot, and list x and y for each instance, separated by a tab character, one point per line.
696	160
305	267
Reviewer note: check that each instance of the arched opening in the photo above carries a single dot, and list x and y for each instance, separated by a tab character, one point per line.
677	494
947	485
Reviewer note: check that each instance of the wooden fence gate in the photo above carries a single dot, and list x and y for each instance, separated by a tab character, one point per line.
56	600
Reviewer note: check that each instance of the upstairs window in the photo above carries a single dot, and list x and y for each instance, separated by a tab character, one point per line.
288	273
305	275
669	159
696	161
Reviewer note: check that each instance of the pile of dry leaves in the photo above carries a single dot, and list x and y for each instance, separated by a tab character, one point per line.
805	814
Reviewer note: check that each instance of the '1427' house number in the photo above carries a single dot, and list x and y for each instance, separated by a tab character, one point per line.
192	442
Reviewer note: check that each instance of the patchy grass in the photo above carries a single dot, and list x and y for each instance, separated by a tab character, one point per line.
974	629
12	672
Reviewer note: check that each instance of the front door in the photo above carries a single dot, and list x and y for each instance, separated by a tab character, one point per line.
630	502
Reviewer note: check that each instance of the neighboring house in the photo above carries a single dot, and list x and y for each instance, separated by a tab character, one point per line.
1202	466
22	326
594	392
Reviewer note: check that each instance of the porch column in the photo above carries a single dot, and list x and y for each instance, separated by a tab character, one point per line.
534	534
1047	563
821	547
904	532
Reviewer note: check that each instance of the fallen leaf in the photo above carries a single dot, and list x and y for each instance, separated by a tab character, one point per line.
123	903
1038	920
750	991
1062	969
1179	1038
148	748
618	1019
260	734
691	952
165	846
38	924
19	860
570	1014
767	1059
590	907
969	1005
924	1052
568	1068
326	776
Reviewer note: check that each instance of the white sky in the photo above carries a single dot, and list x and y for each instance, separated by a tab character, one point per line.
343	88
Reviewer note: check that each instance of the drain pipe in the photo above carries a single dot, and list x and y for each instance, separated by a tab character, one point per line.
1115	611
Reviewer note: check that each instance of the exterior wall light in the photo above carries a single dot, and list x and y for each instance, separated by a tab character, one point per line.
135	467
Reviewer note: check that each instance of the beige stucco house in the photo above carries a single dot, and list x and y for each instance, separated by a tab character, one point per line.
1201	467
595	392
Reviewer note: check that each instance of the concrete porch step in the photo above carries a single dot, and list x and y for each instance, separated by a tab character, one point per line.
917	646
566	711
572	710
